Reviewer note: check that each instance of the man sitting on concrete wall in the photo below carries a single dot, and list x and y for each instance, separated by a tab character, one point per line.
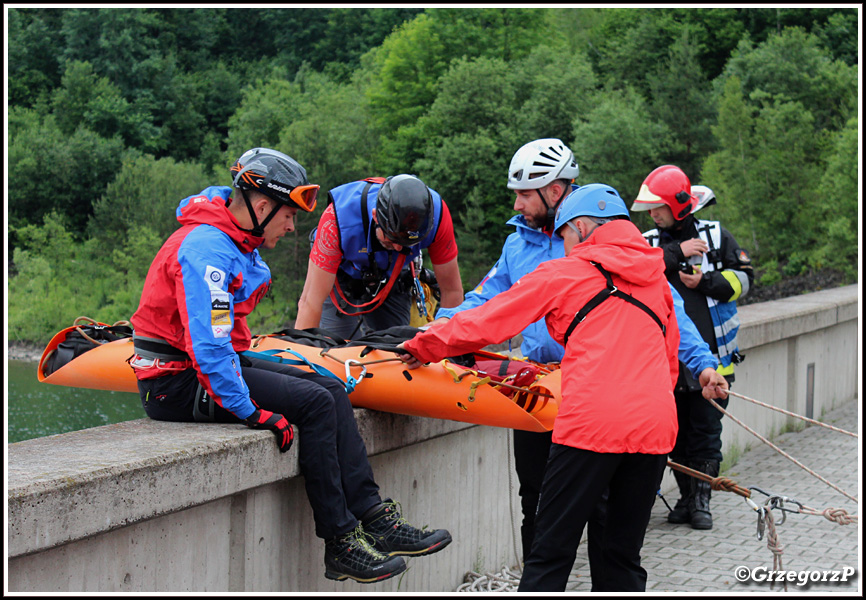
191	338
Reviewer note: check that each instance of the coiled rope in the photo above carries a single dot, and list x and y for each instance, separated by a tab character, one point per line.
77	324
505	580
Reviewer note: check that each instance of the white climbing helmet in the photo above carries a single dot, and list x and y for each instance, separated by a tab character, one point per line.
539	163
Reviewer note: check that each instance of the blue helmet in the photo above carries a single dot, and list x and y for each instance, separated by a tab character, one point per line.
592	200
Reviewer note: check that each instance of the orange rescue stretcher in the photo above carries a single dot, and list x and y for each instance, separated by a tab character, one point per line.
379	381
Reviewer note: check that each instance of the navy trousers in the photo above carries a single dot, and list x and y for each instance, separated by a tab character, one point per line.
394	312
332	456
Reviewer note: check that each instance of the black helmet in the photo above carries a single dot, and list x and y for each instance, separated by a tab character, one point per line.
404	209
276	175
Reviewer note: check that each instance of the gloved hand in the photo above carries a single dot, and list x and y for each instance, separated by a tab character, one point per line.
265	419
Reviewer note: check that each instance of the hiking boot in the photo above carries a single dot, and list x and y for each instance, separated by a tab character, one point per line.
699	505
352	556
393	536
680	513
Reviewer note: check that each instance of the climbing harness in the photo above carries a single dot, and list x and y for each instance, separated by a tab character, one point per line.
607	292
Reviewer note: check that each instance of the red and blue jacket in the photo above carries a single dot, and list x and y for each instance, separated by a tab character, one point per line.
205	280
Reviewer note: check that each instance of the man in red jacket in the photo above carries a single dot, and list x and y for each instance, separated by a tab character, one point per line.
617	420
191	361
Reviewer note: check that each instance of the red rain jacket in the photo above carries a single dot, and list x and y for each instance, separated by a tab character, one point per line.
619	370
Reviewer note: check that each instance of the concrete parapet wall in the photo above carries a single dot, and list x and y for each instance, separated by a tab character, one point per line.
148	506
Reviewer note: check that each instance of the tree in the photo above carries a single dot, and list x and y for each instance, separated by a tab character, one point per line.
33	47
618	142
146	191
85	99
552	86
49	170
766	175
348	34
728	170
468	144
329	131
405	70
682	100
794	66
838	204
121	44
630	43
57	280
266	107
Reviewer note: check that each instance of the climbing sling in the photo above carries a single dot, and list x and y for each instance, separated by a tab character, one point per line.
382	294
607	292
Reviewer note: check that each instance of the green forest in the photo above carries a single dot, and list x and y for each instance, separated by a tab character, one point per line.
115	114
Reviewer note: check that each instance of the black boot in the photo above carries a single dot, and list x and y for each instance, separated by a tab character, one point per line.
680	513
699	505
393	535
352	556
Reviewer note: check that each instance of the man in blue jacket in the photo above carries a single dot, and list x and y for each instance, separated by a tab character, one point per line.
542	174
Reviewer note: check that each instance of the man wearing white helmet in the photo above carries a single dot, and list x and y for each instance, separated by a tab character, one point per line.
541	174
617	418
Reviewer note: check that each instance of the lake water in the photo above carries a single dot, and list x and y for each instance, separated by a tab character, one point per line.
37	409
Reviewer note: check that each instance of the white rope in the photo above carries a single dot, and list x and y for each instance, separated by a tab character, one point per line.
504	581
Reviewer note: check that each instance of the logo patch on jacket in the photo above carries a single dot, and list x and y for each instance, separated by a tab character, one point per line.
214	277
220	313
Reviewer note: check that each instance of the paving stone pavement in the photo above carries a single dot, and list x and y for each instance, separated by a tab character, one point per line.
680	559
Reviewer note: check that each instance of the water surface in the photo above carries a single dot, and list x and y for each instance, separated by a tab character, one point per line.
37	409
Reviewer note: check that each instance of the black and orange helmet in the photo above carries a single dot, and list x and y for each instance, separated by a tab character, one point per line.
276	175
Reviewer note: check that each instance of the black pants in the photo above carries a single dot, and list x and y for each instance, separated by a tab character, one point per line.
331	453
531	451
699	437
574	483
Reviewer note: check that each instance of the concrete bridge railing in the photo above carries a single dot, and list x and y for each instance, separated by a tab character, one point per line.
146	506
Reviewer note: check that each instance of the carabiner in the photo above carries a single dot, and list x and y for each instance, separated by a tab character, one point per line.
352	361
762	513
351	382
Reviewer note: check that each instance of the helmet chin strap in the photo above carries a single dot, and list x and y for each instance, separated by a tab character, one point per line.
551	211
258	230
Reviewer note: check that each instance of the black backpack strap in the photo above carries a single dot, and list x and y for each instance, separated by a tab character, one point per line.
607	292
365	216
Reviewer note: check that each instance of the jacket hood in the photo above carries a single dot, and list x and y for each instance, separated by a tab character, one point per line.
528	233
621	249
210	207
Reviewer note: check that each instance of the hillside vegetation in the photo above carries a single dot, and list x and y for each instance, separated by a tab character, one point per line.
114	115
